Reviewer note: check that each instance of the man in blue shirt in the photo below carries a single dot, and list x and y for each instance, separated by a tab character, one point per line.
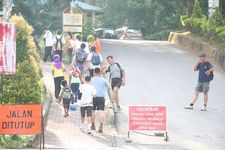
101	86
205	69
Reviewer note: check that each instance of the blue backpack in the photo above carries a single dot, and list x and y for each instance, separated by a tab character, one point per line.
95	59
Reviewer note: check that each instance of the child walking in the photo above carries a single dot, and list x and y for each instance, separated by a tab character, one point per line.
87	92
75	81
66	95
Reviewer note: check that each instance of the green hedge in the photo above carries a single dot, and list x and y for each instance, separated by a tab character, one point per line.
26	86
212	28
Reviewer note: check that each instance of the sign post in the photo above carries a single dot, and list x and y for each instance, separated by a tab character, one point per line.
147	118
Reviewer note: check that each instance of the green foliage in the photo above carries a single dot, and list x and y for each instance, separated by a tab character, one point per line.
26	86
197	10
1	4
13	141
212	29
162	35
90	38
216	18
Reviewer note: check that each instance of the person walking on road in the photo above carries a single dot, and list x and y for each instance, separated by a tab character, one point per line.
205	69
79	59
97	44
59	42
94	60
87	92
101	85
58	72
48	38
69	47
117	77
65	94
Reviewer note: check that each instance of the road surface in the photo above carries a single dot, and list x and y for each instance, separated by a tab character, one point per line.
160	73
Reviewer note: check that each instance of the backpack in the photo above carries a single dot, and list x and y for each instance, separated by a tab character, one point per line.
95	59
66	93
80	56
211	75
118	65
58	45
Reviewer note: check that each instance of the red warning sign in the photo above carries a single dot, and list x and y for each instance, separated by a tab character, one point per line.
152	118
20	119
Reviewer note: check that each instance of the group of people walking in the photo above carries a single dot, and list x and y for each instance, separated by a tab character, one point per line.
85	82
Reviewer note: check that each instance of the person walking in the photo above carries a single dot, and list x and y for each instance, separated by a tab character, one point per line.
101	86
59	42
117	78
69	47
94	60
205	69
48	40
97	44
80	59
75	81
77	42
58	72
87	92
65	94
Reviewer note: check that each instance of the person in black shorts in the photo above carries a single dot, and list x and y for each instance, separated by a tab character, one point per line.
101	85
117	76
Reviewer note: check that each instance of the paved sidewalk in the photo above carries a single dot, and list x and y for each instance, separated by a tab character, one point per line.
64	133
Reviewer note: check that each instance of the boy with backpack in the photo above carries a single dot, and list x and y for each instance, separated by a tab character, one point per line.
94	61
205	69
87	93
59	42
66	95
80	58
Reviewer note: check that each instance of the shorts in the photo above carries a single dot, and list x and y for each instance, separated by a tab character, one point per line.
99	103
66	103
92	72
87	110
202	87
116	82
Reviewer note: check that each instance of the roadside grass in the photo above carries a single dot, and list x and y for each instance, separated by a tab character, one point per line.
13	141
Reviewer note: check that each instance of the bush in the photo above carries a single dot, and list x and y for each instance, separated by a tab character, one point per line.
185	21
197	10
26	86
163	35
216	18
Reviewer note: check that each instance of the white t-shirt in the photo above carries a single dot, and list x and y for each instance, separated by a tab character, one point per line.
88	92
91	65
77	44
48	38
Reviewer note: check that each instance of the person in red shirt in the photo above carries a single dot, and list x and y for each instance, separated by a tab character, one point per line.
97	44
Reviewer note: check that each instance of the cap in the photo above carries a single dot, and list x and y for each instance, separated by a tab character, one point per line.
202	54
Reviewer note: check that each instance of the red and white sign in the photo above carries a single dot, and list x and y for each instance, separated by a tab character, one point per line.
152	118
7	48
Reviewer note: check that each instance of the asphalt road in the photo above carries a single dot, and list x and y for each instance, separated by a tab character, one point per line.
160	73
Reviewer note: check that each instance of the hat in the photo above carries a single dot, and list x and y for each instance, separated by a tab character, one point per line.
202	54
75	73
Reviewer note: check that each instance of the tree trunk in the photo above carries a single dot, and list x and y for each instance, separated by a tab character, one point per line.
190	7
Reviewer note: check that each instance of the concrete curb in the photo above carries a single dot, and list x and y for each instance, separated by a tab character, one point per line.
35	139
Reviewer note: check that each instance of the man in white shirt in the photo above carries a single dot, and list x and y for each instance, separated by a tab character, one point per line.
94	61
48	44
87	93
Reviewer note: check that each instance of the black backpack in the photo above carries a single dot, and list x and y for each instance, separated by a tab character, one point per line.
59	44
80	56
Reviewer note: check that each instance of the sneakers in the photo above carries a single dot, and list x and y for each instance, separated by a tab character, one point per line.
100	129
203	108
88	131
82	128
93	126
189	106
